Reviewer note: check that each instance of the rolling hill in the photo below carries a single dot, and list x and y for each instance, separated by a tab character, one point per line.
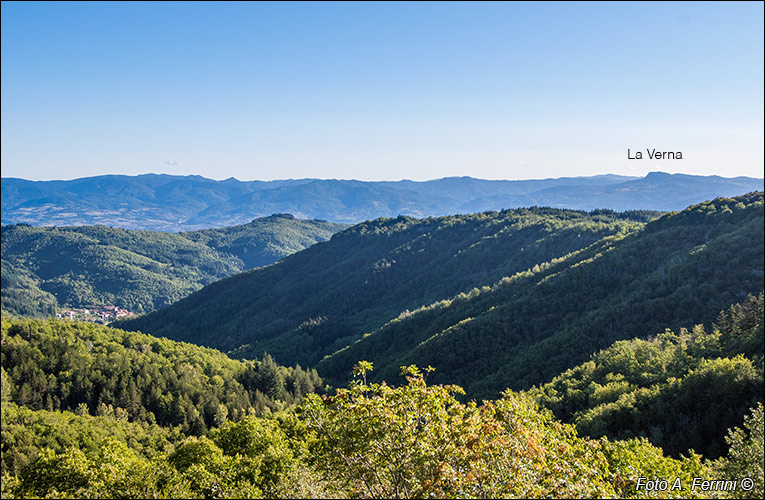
45	268
318	300
183	203
679	270
491	300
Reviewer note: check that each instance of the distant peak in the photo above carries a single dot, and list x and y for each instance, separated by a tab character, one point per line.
283	216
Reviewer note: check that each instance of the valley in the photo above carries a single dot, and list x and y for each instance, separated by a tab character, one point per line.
483	298
382	250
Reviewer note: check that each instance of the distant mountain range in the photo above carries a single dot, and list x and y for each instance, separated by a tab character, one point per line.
180	203
48	268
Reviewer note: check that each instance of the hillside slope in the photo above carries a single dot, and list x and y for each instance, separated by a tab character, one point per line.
321	299
549	287
678	271
265	240
679	390
53	267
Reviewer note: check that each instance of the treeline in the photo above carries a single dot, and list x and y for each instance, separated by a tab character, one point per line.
47	268
92	369
679	390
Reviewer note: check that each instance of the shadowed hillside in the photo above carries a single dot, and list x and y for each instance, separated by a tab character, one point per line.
679	270
321	299
490	300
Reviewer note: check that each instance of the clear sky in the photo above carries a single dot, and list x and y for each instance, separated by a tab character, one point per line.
380	91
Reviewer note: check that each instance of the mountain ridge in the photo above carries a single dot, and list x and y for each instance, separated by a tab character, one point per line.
182	203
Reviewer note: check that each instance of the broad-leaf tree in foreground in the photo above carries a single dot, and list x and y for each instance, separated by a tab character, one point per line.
419	441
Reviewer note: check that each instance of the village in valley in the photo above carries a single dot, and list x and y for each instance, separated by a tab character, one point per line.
99	314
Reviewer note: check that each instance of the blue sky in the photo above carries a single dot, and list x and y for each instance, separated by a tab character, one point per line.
380	91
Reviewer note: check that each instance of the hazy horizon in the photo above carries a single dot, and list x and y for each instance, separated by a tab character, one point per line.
374	180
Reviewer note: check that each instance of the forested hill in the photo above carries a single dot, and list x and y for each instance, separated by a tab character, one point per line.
680	270
93	369
181	203
513	297
46	268
317	301
680	390
265	240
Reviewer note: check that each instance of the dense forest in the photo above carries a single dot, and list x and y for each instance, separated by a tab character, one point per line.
65	365
368	440
679	271
561	354
487	299
45	269
317	301
679	390
75	385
